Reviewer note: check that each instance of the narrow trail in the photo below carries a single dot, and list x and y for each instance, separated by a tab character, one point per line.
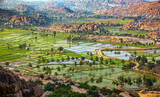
99	53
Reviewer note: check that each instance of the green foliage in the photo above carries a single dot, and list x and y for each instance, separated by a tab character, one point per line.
7	63
60	48
38	82
105	91
61	92
49	87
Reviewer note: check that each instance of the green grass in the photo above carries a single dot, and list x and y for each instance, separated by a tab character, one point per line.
12	38
133	32
91	20
124	22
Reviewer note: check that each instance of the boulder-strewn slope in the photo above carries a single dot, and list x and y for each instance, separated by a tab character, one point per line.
12	86
20	20
150	26
148	9
91	28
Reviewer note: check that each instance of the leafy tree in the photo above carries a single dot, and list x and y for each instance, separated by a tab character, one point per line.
2	30
143	60
30	64
62	59
101	59
68	58
92	80
91	58
41	76
54	33
51	49
60	48
7	63
72	58
83	58
56	74
106	61
80	63
158	62
138	58
153	59
123	61
148	82
75	63
96	58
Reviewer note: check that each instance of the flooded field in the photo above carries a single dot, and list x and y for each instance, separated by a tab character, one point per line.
120	54
84	73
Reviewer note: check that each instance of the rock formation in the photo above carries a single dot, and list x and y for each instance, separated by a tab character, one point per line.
12	86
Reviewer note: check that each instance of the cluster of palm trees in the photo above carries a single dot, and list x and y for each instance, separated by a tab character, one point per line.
140	81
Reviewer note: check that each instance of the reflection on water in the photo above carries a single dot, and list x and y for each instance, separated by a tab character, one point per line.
122	54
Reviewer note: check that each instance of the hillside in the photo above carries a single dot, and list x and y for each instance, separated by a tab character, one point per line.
22	8
5	14
148	9
85	28
20	20
89	5
94	5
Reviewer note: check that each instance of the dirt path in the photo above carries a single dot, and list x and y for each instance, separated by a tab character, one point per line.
100	54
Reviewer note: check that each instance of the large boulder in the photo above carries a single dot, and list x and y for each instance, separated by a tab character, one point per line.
12	86
133	93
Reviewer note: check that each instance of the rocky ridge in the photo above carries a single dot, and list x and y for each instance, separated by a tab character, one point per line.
148	9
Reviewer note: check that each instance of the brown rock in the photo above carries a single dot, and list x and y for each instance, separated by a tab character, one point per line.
133	93
12	86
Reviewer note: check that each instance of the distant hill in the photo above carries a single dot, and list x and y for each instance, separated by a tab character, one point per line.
64	9
57	12
22	8
148	9
13	19
95	5
6	14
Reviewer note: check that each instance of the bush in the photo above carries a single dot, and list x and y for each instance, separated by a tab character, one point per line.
49	87
7	63
61	92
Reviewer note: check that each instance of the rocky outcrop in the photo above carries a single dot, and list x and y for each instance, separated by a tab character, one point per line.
12	86
148	9
133	93
154	34
21	20
150	26
91	28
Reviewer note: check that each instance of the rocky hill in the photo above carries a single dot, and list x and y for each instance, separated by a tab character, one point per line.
20	20
91	28
150	26
5	14
148	9
12	86
23	8
85	5
94	5
65	10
